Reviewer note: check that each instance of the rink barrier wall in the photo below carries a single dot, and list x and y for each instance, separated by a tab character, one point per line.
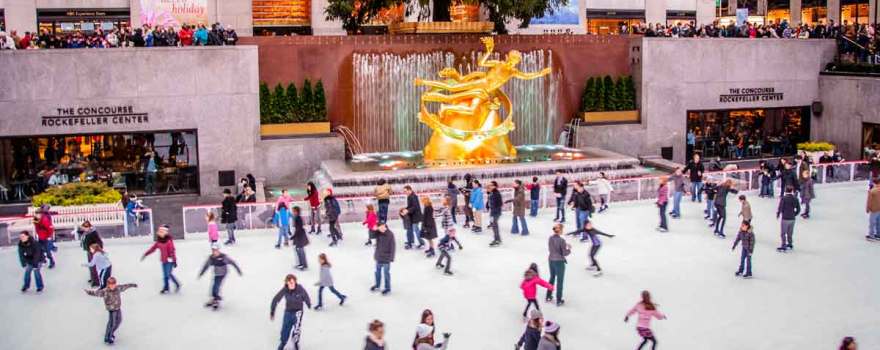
253	216
109	223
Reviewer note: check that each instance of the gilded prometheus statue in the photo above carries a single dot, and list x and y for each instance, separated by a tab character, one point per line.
468	125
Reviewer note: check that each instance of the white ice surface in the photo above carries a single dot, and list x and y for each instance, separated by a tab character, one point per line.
827	289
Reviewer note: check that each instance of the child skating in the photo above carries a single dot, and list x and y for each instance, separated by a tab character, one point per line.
747	237
370	221
529	287
282	222
167	257
213	230
646	309
326	281
218	261
604	189
101	263
113	301
446	243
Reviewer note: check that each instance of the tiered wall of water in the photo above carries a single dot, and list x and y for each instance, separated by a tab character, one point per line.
386	102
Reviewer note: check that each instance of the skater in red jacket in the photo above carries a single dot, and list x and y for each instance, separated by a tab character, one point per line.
529	286
167	256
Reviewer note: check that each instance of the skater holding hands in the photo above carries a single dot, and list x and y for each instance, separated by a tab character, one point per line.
646	309
529	287
101	263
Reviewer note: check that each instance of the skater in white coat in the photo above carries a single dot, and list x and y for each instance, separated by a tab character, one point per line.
603	187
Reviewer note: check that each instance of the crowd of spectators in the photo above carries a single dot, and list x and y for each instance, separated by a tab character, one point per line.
146	36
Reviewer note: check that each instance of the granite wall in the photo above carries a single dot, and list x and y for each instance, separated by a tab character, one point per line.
213	90
678	75
847	102
288	161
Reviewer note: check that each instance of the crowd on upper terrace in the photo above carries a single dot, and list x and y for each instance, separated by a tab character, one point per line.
146	36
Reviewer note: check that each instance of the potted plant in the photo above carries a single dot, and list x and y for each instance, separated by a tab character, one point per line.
609	101
815	149
289	111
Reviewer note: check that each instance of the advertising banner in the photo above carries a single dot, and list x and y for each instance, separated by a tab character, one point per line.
174	13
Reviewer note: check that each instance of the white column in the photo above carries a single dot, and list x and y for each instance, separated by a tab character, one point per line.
834	11
795	12
872	11
20	15
236	13
706	12
655	11
321	26
134	8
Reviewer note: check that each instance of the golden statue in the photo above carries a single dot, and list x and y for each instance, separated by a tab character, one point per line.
468	125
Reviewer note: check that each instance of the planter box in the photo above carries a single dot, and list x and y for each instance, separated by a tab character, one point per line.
615	117
294	129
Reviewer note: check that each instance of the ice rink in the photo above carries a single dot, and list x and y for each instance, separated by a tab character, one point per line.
827	289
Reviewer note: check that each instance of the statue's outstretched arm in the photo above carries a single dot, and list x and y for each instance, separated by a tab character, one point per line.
472	75
530	76
484	59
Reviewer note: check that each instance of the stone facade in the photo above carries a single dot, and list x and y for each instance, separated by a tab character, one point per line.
679	75
287	161
212	90
847	103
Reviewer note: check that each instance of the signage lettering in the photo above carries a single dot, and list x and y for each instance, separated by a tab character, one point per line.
94	116
764	94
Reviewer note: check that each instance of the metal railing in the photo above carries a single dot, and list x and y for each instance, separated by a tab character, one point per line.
109	223
259	215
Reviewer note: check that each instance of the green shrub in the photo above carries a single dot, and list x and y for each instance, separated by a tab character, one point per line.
293	112
815	146
287	105
320	103
265	104
307	102
77	193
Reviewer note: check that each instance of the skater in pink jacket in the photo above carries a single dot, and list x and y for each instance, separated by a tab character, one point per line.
646	309
529	286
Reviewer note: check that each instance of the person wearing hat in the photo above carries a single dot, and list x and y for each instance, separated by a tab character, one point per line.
45	232
532	336
89	235
167	257
112	296
550	340
219	261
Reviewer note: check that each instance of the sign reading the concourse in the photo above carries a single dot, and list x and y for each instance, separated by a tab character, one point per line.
764	94
94	116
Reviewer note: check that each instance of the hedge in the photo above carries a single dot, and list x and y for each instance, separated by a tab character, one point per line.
602	94
77	193
281	105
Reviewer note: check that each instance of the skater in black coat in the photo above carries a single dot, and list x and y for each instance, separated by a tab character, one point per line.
495	204
429	226
413	212
219	261
89	236
30	255
229	215
384	256
300	239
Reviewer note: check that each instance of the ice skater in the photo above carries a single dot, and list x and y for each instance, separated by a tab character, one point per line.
662	201
370	221
314	198
294	296
550	340
228	216
424	339
89	235
300	239
558	250
747	237
477	204
213	230
384	256
604	189
101	263
332	209
646	309
534	196
529	287
532	335
219	262
30	255
678	190
113	302
376	337
281	220
787	212
326	281
413	213
592	234
745	209
711	190
808	193
721	206
45	230
429	226
495	203
519	209
446	243
167	257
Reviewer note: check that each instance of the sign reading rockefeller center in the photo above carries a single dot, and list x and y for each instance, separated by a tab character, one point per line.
94	116
735	95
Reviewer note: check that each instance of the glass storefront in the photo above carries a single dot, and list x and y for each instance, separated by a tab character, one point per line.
747	133
86	20
778	11
814	12
29	165
2	20
684	17
601	22
854	11
870	139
